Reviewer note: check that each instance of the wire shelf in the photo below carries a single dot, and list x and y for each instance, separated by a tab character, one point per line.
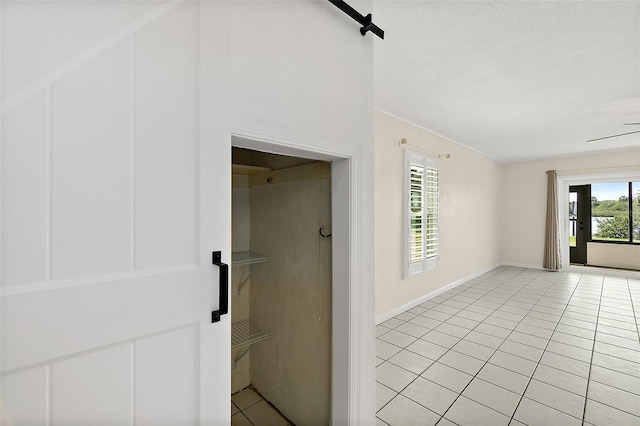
239	258
246	332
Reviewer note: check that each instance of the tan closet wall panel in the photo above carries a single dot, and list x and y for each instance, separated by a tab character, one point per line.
291	296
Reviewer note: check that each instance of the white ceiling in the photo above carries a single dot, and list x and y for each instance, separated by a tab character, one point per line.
513	80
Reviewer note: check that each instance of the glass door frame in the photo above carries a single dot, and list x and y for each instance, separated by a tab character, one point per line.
578	252
583	177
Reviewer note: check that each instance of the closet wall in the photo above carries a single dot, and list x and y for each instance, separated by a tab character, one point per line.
291	295
240	378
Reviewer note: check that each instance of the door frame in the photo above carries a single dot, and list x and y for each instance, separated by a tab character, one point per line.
353	347
583	233
582	177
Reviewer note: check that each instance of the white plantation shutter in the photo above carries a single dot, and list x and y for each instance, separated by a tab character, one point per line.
421	189
431	226
417	209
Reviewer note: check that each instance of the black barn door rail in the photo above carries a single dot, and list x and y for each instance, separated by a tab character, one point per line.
365	21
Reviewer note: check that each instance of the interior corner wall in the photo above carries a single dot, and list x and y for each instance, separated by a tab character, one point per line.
469	210
524	187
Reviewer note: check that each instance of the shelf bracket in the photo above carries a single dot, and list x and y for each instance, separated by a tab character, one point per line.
239	357
244	334
252	269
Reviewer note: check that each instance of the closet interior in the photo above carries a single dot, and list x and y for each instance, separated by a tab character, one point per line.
281	289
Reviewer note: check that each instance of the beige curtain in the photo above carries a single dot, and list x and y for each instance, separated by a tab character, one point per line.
551	237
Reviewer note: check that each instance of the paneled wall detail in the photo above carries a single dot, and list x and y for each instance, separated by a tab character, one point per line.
95	172
100	276
82	32
163	129
116	382
90	168
26	397
24	225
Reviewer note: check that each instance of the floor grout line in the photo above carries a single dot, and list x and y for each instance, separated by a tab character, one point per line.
586	393
524	391
492	290
633	309
257	394
513	294
495	351
517	291
435	361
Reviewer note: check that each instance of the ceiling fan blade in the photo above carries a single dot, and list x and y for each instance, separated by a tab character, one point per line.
632	124
613	136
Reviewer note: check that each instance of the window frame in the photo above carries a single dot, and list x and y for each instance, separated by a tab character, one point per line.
631	240
427	262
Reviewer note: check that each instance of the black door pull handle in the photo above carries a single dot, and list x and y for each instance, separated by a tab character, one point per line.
223	307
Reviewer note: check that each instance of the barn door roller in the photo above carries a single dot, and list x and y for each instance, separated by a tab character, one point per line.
365	21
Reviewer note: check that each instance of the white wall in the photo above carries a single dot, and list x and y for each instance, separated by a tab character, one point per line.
291	62
614	255
301	74
469	215
524	187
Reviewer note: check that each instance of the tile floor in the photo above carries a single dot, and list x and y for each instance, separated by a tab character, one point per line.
514	346
249	408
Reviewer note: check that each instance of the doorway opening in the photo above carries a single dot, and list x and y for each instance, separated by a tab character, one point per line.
579	223
281	288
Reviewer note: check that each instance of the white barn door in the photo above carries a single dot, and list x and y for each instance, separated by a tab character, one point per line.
108	218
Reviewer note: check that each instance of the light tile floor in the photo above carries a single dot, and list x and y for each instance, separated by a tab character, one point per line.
249	408
514	346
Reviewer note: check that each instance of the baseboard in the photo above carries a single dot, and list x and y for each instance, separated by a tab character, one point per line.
392	313
522	265
610	272
622	273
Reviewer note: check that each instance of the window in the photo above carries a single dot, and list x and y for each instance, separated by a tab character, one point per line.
421	191
615	212
635	211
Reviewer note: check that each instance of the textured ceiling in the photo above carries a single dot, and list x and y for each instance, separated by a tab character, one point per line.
513	80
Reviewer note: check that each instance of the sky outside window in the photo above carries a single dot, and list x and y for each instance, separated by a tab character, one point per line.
609	191
610	211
